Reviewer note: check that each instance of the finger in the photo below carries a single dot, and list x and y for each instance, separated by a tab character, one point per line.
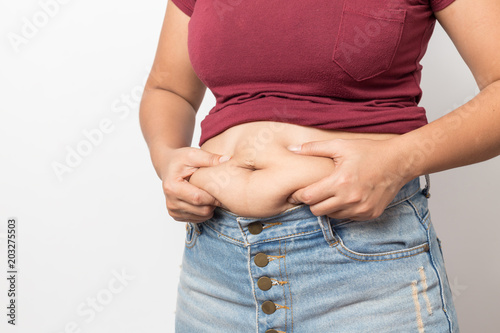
202	158
330	206
184	211
194	195
314	193
336	208
187	217
325	148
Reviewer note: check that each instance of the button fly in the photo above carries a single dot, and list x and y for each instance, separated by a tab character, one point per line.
264	283
268	307
261	259
255	228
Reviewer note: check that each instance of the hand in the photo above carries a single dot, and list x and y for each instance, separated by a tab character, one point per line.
186	202
365	179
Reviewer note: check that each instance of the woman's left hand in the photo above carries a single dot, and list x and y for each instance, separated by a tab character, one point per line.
366	178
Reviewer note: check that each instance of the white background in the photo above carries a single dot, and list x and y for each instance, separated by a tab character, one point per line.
105	216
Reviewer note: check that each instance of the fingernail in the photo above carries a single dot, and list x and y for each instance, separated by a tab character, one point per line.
294	147
292	200
224	158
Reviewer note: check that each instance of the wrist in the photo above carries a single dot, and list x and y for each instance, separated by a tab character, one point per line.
407	160
160	157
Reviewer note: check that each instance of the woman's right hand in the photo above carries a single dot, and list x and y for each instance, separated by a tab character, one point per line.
186	202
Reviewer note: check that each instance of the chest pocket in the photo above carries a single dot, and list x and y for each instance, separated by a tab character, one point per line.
368	40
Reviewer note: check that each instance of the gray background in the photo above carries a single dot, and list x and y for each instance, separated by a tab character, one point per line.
107	216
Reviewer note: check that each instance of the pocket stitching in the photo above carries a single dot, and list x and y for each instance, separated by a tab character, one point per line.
423	245
396	254
340	37
407	253
398	20
193	235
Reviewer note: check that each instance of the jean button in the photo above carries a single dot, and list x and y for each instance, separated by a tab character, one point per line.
268	307
264	283
261	259
255	228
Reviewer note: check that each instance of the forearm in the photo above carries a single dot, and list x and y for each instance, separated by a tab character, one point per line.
167	122
467	135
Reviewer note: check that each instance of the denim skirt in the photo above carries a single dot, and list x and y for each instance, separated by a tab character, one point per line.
297	272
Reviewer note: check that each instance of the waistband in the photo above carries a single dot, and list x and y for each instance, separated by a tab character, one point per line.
298	220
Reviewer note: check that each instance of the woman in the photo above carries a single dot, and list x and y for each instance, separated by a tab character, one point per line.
304	206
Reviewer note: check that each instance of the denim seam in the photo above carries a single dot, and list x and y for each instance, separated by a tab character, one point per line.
287	236
289	290
193	236
326	228
253	290
392	204
197	227
242	232
384	253
407	256
341	242
427	220
267	239
223	235
270	225
423	219
191	244
403	199
441	287
281	277
225	211
423	249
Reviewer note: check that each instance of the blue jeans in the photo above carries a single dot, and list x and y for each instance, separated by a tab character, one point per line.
297	272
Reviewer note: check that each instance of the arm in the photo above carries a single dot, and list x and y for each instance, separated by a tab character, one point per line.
470	133
369	173
171	98
173	93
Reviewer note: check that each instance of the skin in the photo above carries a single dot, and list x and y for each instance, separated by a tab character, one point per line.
356	175
262	173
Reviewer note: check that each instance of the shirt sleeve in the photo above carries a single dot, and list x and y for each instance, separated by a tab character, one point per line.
187	6
437	5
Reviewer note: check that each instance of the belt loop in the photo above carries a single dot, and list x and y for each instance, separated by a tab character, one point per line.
326	227
427	187
196	227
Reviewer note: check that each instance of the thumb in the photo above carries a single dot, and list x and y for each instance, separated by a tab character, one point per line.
294	198
323	148
203	158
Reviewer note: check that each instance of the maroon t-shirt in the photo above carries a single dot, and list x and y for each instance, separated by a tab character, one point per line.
351	65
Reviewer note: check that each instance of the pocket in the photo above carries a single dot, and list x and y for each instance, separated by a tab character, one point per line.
192	233
397	233
368	40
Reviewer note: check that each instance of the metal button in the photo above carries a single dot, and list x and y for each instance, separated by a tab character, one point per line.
255	228
264	283
268	307
261	259
271	331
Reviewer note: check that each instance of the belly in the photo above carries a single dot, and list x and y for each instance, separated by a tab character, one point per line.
262	172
